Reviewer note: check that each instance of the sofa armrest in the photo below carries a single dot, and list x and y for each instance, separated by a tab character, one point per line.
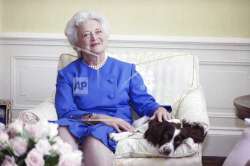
43	111
193	107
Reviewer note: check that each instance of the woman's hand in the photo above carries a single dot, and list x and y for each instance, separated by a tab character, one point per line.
117	123
161	114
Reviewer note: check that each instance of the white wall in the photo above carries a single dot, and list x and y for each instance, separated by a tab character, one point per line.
28	70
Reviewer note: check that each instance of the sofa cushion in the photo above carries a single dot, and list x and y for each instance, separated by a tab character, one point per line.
194	160
136	146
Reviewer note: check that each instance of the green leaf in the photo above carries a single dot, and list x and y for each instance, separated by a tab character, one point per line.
7	151
51	160
1	156
21	162
31	144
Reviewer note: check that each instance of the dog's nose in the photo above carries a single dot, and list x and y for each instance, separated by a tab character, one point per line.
166	151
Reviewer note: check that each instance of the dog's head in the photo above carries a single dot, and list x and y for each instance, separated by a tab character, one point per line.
168	135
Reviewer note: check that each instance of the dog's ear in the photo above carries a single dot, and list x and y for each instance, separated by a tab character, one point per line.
177	125
194	130
178	140
154	132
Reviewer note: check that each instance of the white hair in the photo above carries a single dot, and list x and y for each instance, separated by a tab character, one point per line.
79	18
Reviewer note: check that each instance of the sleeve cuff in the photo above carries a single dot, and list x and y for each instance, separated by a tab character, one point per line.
167	107
152	109
76	114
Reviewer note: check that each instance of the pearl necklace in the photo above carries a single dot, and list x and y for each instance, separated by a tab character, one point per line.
98	66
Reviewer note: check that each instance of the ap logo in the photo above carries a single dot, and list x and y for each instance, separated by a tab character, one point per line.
80	86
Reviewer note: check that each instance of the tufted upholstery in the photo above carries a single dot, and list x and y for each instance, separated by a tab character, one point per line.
171	79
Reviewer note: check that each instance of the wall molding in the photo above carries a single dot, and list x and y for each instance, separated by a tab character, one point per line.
221	115
132	41
221	131
15	94
226	63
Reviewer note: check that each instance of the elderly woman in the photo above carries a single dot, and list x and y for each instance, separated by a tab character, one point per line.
97	88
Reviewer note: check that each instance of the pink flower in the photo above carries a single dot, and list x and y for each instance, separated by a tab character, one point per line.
4	136
3	139
53	130
2	126
9	161
19	145
15	128
34	158
69	159
43	146
61	147
33	130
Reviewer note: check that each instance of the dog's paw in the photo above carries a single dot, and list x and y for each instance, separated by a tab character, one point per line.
113	136
119	136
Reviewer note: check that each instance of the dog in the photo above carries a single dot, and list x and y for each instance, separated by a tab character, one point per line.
167	136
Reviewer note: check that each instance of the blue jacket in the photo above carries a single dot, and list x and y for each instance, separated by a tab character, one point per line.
112	90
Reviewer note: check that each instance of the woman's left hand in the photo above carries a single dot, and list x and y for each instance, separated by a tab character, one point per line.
161	114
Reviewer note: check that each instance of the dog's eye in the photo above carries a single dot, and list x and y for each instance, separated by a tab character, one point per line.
167	136
177	141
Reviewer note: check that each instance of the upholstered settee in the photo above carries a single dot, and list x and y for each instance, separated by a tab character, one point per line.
172	79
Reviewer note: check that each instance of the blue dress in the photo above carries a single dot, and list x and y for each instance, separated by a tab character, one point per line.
112	90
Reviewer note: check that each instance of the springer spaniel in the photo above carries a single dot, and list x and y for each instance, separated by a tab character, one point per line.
166	135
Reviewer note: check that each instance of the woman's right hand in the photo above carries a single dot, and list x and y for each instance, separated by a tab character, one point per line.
119	124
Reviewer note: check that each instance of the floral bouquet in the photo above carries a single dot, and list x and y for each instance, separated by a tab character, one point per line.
35	144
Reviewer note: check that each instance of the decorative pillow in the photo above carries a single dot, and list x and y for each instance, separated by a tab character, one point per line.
28	117
136	146
45	111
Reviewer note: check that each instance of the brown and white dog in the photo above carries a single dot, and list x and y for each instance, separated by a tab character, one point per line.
166	135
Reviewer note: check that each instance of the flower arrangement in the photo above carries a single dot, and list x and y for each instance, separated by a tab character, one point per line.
35	144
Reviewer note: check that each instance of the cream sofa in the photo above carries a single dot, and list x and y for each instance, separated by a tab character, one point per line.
172	79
